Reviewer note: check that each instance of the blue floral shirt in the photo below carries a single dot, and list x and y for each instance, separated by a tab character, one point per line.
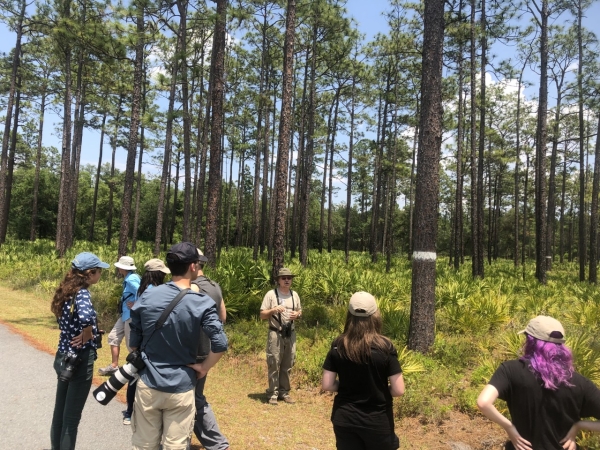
72	324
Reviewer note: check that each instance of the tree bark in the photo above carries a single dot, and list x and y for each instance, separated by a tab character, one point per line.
38	161
214	175
594	222
349	180
97	180
422	314
138	190
582	166
480	161
165	177
541	138
63	216
6	137
136	103
476	243
285	123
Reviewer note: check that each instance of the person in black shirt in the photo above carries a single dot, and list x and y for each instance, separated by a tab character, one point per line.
546	398
358	367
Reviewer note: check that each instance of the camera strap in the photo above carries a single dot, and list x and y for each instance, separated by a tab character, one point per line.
163	317
278	319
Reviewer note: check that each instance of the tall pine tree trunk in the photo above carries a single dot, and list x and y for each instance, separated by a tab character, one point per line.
349	180
16	63
166	168
38	161
422	312
63	216
476	243
97	180
285	123
594	222
214	174
136	107
541	138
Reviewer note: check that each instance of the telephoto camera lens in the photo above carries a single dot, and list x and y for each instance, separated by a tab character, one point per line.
71	362
107	390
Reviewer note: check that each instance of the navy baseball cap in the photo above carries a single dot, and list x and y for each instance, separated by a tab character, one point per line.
87	260
184	252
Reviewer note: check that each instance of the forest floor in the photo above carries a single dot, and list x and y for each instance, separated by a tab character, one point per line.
235	389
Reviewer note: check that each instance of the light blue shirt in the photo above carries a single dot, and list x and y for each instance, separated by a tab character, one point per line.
169	350
131	284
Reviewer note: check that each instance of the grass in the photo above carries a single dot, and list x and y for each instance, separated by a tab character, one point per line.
236	389
476	329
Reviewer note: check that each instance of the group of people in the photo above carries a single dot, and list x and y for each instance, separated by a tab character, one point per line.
177	328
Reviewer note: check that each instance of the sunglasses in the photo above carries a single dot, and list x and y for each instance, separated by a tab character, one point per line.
285	278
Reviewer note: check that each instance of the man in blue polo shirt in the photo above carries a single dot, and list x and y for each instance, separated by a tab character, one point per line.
164	402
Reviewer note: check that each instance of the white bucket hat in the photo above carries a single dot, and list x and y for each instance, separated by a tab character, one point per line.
125	263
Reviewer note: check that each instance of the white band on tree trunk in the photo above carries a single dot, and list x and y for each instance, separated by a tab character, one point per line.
425	256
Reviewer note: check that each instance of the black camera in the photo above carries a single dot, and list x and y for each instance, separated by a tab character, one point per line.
107	390
98	338
70	362
286	329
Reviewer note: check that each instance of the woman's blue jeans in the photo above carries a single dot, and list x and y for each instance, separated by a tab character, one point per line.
70	400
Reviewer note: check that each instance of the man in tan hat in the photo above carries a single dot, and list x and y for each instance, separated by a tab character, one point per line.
131	284
281	307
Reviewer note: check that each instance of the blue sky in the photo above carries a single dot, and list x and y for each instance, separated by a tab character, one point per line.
368	15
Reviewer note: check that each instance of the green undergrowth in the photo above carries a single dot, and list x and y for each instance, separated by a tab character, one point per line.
477	321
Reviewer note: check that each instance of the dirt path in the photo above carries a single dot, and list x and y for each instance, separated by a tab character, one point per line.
235	389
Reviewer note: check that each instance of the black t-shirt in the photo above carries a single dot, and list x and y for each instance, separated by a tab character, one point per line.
540	415
364	399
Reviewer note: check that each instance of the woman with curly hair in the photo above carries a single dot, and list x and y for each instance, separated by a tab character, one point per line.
546	398
74	361
362	367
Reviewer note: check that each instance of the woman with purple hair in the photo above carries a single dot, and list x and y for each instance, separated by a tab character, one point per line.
546	398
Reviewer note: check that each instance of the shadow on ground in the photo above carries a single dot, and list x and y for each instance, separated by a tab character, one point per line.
261	397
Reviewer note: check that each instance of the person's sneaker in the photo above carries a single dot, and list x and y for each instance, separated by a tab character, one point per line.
126	419
288	399
273	401
108	370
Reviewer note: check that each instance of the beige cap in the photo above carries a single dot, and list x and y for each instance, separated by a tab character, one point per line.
285	272
362	304
156	265
203	259
546	329
125	263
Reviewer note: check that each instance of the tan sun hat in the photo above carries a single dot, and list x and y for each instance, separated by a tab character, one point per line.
203	259
285	272
362	304
156	265
546	329
125	263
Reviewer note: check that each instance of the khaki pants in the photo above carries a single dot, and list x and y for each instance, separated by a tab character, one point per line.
162	417
119	331
281	355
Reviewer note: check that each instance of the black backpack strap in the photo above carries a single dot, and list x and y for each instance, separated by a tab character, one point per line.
278	318
163	317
